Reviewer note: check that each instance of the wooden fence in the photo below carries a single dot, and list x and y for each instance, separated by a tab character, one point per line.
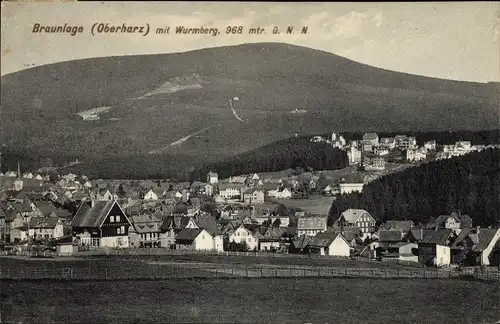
221	271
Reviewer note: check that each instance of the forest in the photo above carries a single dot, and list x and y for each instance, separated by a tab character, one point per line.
469	184
292	153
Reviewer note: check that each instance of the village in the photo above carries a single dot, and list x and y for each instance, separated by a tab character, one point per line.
70	214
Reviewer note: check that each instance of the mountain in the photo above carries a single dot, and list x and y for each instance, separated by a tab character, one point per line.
179	104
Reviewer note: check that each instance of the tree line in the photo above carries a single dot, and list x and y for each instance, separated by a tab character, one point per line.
292	153
469	184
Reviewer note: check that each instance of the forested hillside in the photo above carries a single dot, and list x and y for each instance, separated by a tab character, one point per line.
470	183
277	156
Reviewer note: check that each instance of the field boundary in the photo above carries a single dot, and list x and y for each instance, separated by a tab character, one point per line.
159	272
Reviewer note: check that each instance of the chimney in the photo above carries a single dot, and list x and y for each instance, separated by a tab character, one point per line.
478	229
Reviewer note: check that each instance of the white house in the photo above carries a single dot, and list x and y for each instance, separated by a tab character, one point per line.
243	235
333	244
416	154
253	196
351	184
371	138
434	249
45	228
154	195
212	178
231	190
194	239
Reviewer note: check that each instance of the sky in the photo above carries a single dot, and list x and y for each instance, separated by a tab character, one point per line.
450	40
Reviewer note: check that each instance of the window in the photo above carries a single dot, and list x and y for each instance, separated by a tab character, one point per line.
123	229
118	231
117	218
111	219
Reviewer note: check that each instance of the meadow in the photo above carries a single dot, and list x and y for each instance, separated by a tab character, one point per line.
251	301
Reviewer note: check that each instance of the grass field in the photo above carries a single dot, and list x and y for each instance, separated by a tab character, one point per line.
251	301
316	204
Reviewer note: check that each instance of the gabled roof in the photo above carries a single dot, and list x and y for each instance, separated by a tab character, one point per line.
352	215
438	237
176	222
43	222
301	242
46	207
370	136
481	240
88	216
224	186
464	220
188	234
208	223
324	239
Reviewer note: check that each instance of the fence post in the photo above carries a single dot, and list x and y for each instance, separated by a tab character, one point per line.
216	273
261	271
106	273
372	274
232	271
246	269
276	272
385	273
398	273
319	272
346	272
290	272
304	272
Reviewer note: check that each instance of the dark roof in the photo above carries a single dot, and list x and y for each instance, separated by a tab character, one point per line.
405	226
46	207
188	234
465	220
481	240
88	216
301	242
390	236
43	222
208	222
323	239
176	222
438	237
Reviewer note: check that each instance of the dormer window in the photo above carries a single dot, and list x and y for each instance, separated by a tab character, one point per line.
117	218
111	219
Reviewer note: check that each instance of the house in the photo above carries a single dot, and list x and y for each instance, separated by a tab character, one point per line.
103	195
245	235
101	224
434	249
404	142
152	195
45	228
255	177
371	138
209	189
351	183
404	226
388	143
271	241
231	190
194	239
171	226
145	230
300	244
253	196
333	244
375	164
454	221
212	178
417	154
477	246
208	223
358	218
46	209
430	145
311	226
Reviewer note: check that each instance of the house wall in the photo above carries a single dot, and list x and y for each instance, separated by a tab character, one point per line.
346	188
242	235
339	247
204	241
17	234
484	259
443	255
65	249
115	241
266	246
218	243
167	239
150	195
